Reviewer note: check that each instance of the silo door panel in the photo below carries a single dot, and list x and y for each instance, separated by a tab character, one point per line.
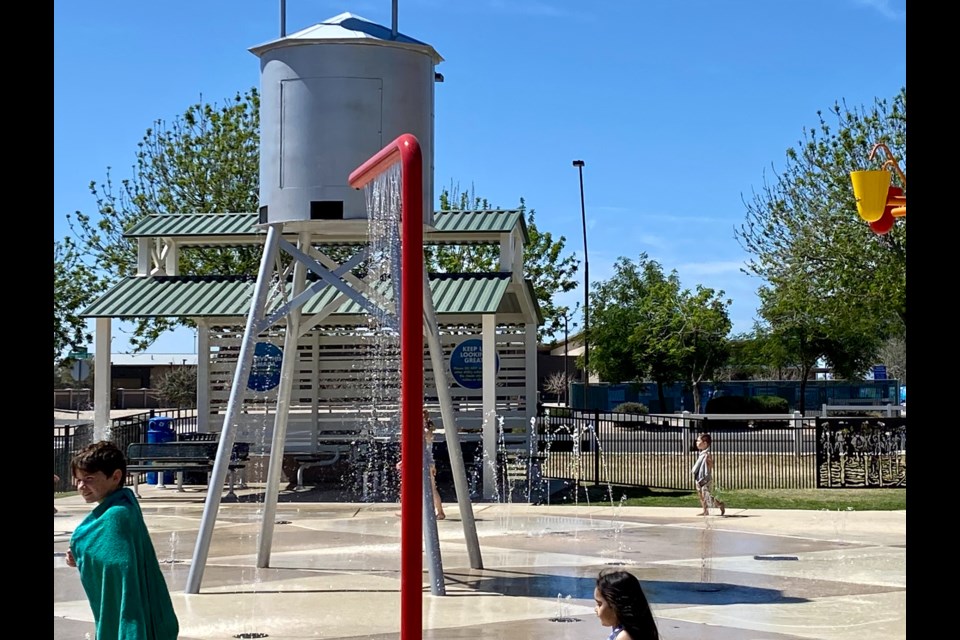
329	127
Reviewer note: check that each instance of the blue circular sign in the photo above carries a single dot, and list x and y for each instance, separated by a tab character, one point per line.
265	372
466	364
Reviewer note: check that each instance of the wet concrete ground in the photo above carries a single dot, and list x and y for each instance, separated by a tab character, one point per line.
755	574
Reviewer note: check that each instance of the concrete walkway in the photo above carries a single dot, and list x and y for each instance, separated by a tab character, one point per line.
755	574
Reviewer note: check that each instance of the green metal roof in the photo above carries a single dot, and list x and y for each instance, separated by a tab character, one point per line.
220	225
490	221
209	296
195	224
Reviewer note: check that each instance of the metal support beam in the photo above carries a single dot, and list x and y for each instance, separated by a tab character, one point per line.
234	405
288	370
450	431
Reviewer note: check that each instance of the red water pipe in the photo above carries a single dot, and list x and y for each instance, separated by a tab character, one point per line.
406	150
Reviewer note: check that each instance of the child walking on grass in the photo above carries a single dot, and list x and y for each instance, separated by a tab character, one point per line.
703	477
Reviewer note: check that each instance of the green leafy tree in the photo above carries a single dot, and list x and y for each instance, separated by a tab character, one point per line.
703	324
633	323
75	285
806	326
616	308
746	360
832	284
178	387
798	334
645	326
204	161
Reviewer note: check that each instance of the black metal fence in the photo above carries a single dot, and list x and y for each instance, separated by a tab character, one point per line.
750	452
69	439
617	449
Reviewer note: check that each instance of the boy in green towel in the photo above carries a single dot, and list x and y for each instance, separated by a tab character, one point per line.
112	549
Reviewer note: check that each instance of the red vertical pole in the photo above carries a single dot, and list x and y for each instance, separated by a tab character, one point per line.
406	150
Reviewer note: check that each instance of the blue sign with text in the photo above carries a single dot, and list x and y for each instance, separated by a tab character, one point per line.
879	372
265	372
466	364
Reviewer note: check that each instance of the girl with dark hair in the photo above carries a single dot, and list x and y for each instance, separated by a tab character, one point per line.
622	605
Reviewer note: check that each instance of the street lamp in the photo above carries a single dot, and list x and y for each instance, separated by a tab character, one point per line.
586	293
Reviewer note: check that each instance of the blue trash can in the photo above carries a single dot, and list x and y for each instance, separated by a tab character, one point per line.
160	429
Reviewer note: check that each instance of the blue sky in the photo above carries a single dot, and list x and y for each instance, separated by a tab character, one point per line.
678	108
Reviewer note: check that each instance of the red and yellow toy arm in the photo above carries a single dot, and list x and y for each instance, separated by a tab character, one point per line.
879	202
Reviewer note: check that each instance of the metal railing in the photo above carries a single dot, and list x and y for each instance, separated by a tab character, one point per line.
766	451
69	439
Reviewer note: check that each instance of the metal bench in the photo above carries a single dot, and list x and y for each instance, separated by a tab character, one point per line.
178	456
326	454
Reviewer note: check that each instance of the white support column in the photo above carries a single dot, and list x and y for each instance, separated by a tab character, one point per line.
506	252
530	368
101	388
143	256
489	372
315	399
517	267
203	376
172	258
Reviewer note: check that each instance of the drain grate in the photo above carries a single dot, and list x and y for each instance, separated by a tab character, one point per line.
169	561
776	558
564	619
281	522
708	588
252	634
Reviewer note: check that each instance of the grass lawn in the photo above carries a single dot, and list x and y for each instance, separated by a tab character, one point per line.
814	499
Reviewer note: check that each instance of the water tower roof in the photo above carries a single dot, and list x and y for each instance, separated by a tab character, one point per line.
347	27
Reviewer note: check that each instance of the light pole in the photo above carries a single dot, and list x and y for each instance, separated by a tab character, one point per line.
586	294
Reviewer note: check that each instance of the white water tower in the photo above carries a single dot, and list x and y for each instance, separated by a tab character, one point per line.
332	95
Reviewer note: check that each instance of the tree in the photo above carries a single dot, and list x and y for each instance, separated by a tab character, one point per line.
75	286
644	325
179	387
544	263
616	306
893	354
630	325
746	359
557	383
703	325
822	265
797	334
205	161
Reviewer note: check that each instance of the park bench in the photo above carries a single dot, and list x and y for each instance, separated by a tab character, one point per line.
178	457
327	453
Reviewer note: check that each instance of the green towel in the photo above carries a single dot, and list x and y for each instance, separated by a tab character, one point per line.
120	572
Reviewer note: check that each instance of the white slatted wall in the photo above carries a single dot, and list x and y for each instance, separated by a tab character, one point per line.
333	392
